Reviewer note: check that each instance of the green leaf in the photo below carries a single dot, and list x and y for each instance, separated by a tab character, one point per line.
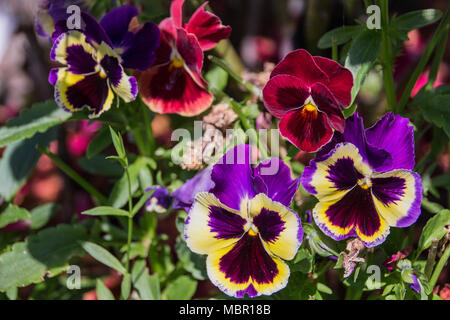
361	55
339	35
182	288
119	194
302	262
13	214
217	78
39	118
19	160
193	263
434	105
99	143
106	211
118	143
103	293
11	293
104	256
416	19
146	285
41	215
98	165
45	253
125	287
442	181
348	112
434	229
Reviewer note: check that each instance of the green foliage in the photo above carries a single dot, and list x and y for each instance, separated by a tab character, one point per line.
147	285
41	215
339	36
39	118
434	229
106	211
43	254
103	293
102	255
182	288
13	214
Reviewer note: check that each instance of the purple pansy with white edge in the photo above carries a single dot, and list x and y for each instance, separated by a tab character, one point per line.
95	58
159	200
363	181
244	225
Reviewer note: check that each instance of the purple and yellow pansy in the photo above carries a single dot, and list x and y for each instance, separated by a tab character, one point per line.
364	184
245	226
95	57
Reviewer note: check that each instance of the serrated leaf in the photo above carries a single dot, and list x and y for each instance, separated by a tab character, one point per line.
102	255
361	55
434	229
103	293
146	285
39	118
44	253
339	35
182	288
416	19
13	214
106	211
19	160
41	215
302	262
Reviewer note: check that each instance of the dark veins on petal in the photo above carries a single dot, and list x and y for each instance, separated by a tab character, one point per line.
343	174
248	258
91	91
355	208
388	190
226	224
269	224
79	60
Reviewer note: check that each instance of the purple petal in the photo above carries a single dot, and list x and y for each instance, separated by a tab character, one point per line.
393	134
159	201
233	177
273	177
184	196
116	23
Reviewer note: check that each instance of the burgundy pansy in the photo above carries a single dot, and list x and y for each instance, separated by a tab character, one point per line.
308	94
175	83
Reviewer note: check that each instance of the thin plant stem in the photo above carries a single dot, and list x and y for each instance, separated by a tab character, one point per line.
441	29
440	265
431	259
130	219
334	51
74	176
148	129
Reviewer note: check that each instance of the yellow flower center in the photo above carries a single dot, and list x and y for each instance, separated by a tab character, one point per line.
365	183
102	73
309	108
252	232
176	63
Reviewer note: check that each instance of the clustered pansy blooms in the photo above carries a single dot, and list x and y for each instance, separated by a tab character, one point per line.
95	58
175	84
240	215
245	226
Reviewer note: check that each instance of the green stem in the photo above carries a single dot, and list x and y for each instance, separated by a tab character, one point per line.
431	259
130	219
323	269
439	54
148	129
222	64
249	128
439	267
441	29
74	176
334	51
388	77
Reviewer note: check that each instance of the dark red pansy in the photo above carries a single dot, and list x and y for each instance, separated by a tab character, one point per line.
175	84
308	94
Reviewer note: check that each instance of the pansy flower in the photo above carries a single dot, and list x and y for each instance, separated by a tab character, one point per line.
95	58
308	94
245	226
364	183
50	12
159	201
175	84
